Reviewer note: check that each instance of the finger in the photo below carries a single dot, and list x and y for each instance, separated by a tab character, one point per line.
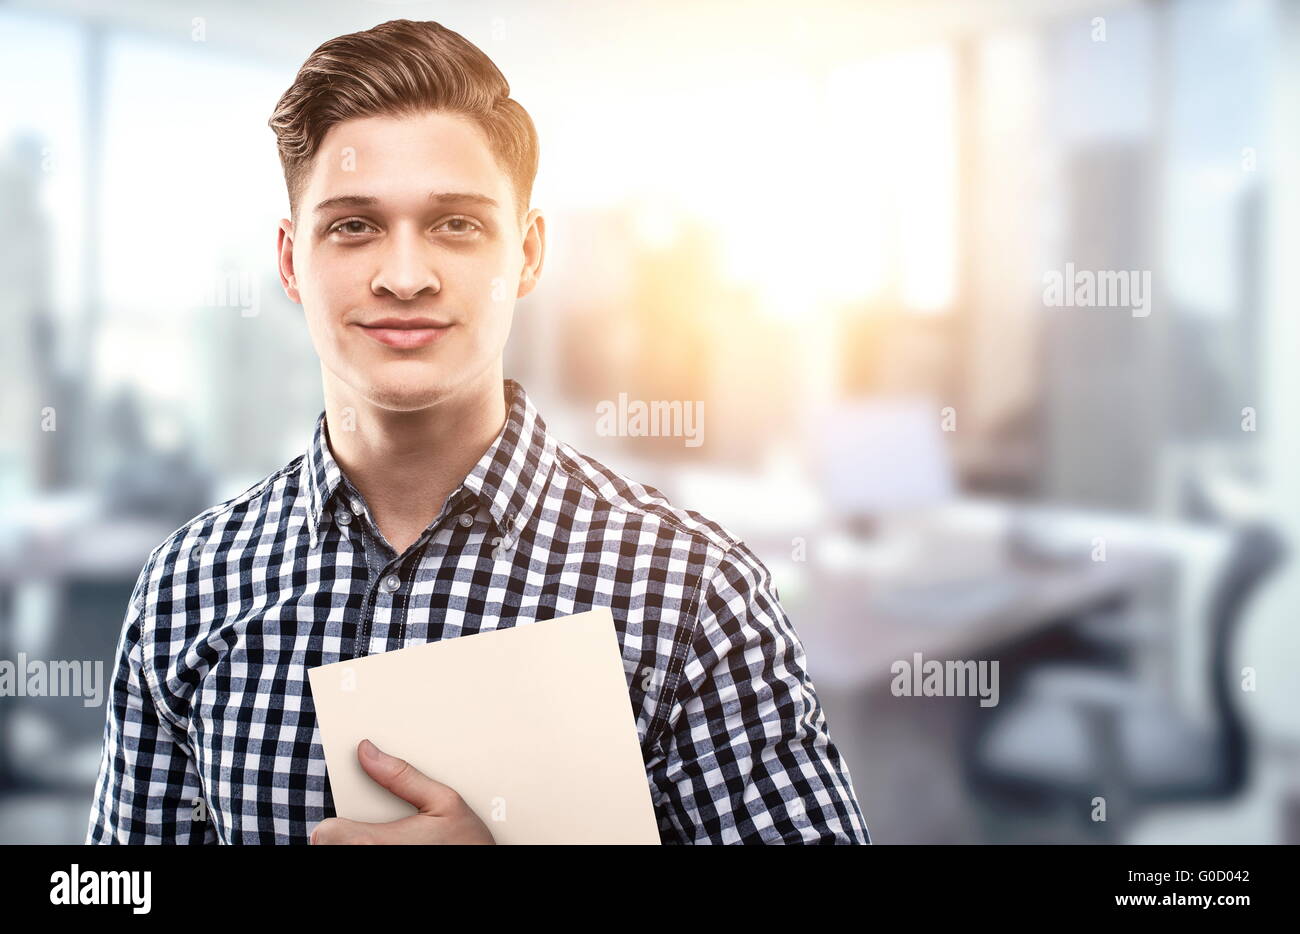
405	780
416	830
339	831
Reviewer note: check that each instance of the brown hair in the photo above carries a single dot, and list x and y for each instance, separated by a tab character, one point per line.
398	68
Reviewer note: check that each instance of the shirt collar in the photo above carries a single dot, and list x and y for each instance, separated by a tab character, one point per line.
509	479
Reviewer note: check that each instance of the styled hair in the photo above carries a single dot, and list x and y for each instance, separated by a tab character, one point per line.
401	68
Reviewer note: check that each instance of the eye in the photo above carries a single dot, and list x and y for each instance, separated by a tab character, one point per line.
466	225
349	227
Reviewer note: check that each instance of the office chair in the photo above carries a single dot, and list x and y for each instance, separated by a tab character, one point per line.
1074	733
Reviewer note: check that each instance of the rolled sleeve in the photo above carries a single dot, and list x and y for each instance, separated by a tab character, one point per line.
147	786
748	756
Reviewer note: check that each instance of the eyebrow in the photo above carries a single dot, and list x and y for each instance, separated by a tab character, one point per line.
436	197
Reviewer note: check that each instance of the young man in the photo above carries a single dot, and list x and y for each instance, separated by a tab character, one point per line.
432	503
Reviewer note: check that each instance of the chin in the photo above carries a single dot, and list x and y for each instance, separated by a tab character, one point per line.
408	396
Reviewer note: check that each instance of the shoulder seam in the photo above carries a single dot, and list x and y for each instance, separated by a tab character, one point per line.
657	731
147	624
707	582
148	620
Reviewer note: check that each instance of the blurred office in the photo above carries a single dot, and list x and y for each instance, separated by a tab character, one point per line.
987	306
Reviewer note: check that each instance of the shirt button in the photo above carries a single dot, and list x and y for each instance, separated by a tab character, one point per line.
390	583
466	520
343	518
356	507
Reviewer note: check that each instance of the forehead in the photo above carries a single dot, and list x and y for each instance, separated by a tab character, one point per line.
406	156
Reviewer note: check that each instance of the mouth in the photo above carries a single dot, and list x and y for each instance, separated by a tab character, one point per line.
406	333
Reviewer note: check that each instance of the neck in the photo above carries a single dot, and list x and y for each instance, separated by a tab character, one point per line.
406	464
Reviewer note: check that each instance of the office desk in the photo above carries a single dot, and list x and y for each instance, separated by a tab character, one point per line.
854	628
956	581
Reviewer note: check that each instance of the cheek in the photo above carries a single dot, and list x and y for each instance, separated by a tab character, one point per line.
468	281
330	290
485	277
323	303
336	278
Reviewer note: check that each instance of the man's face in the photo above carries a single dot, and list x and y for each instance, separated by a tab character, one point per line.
407	257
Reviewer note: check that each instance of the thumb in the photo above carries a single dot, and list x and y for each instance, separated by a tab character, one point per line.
404	779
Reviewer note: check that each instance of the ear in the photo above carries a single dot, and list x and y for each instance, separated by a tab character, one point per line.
284	250
534	252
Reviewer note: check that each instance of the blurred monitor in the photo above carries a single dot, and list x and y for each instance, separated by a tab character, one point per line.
884	455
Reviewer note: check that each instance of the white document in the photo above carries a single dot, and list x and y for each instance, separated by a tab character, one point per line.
532	725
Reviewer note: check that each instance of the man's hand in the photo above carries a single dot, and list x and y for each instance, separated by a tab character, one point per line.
444	817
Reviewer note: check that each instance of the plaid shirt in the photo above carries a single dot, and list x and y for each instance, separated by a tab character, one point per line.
211	736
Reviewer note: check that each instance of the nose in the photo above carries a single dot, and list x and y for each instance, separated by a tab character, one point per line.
406	267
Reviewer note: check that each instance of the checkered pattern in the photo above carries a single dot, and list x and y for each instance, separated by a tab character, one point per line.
211	735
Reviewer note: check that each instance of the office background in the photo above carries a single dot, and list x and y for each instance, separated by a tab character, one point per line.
834	226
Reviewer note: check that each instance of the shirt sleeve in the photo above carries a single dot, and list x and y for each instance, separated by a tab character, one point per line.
748	756
148	787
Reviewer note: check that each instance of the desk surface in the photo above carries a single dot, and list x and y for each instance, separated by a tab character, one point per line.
948	593
112	548
852	638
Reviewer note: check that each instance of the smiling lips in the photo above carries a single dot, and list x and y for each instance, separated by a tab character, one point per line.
406	333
